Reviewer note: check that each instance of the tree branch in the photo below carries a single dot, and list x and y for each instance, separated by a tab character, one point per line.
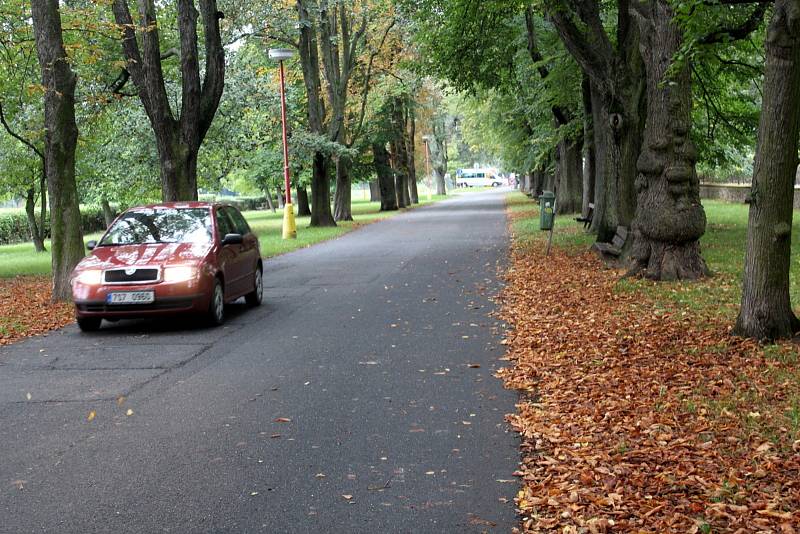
739	32
16	136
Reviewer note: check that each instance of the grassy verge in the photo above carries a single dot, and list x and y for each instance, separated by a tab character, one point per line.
21	259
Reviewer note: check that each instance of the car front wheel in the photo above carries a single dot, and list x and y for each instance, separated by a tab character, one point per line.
254	297
89	324
216	308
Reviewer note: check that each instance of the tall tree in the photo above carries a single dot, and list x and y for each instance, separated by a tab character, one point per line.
178	138
61	138
309	60
766	311
669	218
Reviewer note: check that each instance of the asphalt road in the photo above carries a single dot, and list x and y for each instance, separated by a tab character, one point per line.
358	398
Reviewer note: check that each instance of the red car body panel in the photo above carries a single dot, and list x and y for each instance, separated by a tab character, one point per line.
234	264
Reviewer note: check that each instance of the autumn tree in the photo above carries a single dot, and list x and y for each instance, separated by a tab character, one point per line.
178	136
61	137
766	311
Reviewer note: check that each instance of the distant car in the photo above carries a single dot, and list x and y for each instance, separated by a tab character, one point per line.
478	178
177	257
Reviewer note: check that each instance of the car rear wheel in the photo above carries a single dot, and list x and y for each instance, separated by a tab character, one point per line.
89	324
216	308
254	298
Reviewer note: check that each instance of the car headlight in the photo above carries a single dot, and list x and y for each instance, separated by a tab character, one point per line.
90	277
180	273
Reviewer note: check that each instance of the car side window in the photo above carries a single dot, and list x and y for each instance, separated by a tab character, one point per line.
224	224
238	220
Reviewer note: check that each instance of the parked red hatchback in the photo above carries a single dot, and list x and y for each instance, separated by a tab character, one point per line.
176	257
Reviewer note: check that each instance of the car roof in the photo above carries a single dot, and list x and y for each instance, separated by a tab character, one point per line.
182	204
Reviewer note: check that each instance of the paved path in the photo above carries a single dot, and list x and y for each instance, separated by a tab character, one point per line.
369	344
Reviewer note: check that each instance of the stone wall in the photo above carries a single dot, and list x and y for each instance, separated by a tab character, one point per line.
735	192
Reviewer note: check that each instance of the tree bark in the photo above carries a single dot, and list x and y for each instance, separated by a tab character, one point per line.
618	93
61	138
342	200
766	312
374	191
569	192
386	183
309	60
588	148
303	209
410	138
178	140
108	213
669	218
33	225
268	198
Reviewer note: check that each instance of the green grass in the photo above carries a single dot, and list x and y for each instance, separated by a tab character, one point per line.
21	259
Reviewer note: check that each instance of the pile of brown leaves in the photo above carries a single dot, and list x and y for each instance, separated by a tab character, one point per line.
613	439
26	310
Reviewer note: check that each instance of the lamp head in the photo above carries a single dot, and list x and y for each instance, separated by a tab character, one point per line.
280	54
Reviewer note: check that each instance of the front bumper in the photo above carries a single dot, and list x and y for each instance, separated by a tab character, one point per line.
192	296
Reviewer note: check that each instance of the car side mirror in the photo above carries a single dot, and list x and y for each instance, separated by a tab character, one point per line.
91	244
233	239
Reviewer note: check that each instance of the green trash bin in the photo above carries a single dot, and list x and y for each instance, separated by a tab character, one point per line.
547	204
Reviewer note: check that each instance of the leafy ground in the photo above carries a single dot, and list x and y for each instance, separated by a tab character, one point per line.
25	283
639	411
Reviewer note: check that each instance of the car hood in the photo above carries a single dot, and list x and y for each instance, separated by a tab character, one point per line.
109	257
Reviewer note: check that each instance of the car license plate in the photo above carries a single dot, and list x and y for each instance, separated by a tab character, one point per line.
130	297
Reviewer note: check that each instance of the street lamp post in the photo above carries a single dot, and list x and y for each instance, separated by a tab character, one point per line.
289	225
427	138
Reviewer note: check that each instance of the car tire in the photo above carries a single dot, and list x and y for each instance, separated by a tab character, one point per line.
254	297
216	306
89	324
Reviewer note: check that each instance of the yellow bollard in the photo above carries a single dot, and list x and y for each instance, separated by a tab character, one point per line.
289	226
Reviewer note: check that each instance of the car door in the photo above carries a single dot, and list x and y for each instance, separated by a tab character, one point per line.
248	251
229	255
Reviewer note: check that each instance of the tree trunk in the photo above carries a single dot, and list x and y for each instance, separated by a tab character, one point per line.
60	141
268	198
280	196
588	148
569	191
438	178
766	311
178	140
321	192
410	139
374	191
536	183
380	157
33	226
303	209
669	218
108	212
342	201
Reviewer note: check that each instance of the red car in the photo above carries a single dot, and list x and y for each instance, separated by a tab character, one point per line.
176	257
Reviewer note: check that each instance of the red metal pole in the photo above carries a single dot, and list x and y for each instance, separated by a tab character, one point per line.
287	184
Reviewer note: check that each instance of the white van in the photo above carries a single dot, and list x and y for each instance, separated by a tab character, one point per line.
478	178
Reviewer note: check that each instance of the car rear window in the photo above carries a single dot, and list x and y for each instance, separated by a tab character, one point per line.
160	225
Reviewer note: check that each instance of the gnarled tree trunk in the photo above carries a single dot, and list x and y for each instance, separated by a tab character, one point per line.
61	138
386	182
669	218
569	191
766	311
410	138
374	191
588	148
342	200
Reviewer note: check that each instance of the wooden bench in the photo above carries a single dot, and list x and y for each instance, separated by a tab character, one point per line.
615	247
588	219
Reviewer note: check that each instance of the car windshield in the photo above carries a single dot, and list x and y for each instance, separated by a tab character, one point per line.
160	225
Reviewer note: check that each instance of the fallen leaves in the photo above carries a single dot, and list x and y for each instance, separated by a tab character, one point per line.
26	310
625	415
